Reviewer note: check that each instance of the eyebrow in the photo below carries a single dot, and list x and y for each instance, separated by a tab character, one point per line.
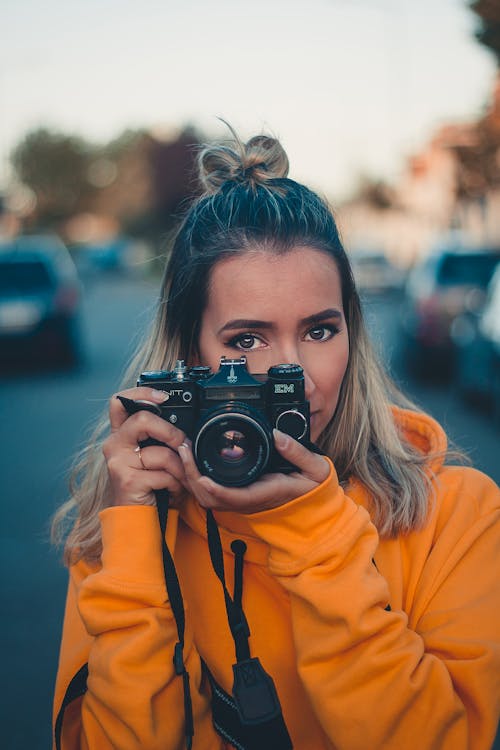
239	323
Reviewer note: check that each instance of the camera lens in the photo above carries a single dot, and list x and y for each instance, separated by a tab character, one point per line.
233	445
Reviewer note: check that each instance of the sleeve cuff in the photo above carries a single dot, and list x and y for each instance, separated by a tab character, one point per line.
131	540
311	527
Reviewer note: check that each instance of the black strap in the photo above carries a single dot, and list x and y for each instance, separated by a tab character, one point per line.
271	735
78	684
258	722
76	688
236	617
171	580
175	598
238	548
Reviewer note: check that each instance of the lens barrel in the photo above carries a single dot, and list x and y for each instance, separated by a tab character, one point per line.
233	444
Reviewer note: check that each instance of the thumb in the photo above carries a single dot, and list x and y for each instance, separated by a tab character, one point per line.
311	465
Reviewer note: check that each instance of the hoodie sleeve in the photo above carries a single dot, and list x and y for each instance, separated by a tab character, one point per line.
119	618
427	677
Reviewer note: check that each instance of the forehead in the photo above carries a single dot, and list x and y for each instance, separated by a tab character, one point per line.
261	280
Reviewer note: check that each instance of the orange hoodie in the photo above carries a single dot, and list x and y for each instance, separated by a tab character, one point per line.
351	673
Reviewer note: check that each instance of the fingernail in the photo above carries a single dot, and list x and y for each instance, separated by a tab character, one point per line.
281	439
159	396
183	452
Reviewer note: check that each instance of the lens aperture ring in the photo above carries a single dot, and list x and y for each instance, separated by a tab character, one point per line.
233	447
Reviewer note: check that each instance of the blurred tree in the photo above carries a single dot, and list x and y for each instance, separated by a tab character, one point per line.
121	173
488	32
153	178
136	180
54	165
375	193
174	178
123	143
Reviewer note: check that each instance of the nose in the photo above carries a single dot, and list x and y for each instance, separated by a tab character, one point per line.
308	385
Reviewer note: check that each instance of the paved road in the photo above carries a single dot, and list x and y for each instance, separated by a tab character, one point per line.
45	417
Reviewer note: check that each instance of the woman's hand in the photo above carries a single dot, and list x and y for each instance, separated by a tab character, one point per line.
136	473
269	491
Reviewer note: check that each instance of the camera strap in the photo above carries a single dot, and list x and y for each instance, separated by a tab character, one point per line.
251	719
78	684
175	598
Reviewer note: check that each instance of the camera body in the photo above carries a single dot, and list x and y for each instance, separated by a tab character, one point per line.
229	415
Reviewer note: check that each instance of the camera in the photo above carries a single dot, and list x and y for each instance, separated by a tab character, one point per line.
229	415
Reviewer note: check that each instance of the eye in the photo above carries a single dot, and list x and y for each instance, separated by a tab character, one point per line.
321	333
245	342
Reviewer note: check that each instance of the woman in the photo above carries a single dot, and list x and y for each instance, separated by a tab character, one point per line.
368	582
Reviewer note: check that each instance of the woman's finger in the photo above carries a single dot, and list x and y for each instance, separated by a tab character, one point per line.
143	425
270	491
193	475
159	458
311	465
136	485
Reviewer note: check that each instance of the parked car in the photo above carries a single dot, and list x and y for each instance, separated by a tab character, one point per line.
477	340
115	255
440	289
40	297
375	274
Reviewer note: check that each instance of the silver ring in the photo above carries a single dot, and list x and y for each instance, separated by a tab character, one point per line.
138	451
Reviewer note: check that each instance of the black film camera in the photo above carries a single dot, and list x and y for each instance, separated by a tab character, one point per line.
229	416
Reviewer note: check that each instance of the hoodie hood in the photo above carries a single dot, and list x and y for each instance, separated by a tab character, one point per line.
424	433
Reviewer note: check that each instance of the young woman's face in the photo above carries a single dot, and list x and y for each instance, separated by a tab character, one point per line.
277	309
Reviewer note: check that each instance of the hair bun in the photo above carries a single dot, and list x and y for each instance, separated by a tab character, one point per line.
256	162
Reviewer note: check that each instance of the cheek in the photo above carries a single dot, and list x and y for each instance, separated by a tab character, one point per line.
332	376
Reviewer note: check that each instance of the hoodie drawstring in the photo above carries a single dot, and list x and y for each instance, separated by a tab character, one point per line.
254	693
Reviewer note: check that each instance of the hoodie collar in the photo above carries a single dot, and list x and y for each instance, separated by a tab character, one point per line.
231	526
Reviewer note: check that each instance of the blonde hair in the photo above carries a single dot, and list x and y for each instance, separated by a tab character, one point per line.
250	202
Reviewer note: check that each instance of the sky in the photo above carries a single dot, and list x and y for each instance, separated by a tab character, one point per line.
351	87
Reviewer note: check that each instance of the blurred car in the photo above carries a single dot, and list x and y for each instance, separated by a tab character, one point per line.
111	256
40	296
375	274
444	286
477	341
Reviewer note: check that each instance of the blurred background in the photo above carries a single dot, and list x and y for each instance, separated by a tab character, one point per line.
389	108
